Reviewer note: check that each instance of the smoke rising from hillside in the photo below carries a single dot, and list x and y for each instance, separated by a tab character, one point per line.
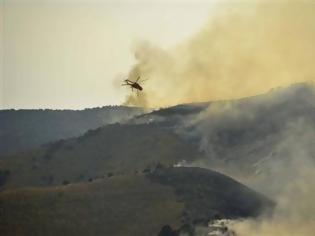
293	175
287	176
246	48
267	143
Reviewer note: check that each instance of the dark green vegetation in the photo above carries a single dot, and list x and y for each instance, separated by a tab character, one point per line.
4	174
26	129
208	194
122	205
133	204
110	150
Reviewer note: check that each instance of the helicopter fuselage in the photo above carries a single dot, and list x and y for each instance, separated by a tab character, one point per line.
136	86
133	85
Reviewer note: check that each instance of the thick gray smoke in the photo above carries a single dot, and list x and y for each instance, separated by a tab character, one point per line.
270	140
290	178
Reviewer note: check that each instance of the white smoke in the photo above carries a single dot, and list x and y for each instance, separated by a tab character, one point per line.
290	179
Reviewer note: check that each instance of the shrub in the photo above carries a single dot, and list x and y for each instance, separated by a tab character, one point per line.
4	174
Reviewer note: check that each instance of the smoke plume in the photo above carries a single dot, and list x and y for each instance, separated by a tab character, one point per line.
293	176
246	48
288	178
266	142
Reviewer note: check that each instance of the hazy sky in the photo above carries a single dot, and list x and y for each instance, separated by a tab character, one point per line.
67	53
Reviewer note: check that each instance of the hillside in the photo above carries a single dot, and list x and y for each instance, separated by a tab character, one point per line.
114	178
247	137
241	138
27	129
118	205
111	149
171	117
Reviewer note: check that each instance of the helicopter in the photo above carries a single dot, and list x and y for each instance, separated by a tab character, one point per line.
134	84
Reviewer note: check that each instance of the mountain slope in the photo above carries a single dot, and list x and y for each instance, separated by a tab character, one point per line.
244	136
235	137
26	129
242	133
110	149
118	205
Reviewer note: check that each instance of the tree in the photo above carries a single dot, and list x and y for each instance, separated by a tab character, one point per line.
167	231
4	174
